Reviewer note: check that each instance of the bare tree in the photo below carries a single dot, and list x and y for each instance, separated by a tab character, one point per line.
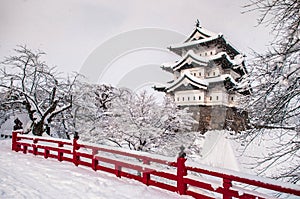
275	81
30	84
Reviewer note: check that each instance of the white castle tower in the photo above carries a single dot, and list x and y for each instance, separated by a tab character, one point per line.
206	78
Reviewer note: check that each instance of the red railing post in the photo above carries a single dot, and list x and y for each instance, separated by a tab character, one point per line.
226	185
14	146
75	147
181	172
46	153
94	161
34	148
118	171
59	153
146	175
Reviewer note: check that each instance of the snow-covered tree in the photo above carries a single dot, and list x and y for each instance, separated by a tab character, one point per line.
137	121
275	83
29	84
91	102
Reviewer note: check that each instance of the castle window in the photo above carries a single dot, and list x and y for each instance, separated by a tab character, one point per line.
211	52
231	98
210	98
194	98
199	97
214	73
178	99
200	74
188	98
194	74
217	97
207	74
182	98
205	54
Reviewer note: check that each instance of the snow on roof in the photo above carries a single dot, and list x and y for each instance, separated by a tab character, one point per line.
198	59
206	32
221	78
237	61
202	31
200	83
200	41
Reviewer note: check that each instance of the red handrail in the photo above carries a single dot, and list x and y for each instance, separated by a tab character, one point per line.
159	171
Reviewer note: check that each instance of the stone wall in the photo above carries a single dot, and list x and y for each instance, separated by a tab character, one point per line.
218	118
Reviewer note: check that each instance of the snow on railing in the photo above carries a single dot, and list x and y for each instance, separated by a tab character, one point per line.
200	181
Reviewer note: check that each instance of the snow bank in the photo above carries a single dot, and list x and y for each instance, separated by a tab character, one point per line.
217	151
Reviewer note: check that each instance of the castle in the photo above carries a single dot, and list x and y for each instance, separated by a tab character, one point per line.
207	80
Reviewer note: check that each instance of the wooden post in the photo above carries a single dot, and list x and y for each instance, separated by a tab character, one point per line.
75	147
226	185
14	141
24	149
34	148
94	161
46	153
118	171
181	172
59	153
146	175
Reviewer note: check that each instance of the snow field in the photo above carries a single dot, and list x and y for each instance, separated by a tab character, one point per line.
28	176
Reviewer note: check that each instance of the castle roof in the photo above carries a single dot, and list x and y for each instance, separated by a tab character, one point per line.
236	64
202	37
197	82
190	54
187	79
200	33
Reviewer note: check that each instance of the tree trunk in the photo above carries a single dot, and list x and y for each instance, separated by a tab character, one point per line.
37	128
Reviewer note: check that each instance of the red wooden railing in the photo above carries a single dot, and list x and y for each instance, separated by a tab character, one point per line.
162	172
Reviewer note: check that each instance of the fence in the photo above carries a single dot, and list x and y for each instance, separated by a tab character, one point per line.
153	170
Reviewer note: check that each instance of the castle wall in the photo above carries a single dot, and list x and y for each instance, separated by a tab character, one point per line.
218	118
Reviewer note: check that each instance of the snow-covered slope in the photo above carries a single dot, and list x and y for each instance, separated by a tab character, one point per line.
28	176
217	151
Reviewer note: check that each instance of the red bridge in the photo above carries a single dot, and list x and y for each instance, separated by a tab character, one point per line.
159	171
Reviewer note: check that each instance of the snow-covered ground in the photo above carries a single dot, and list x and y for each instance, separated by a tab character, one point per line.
28	176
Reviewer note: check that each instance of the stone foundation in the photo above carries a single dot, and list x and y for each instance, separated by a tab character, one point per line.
218	118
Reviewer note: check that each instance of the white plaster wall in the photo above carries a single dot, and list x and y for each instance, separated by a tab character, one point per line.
190	97
197	72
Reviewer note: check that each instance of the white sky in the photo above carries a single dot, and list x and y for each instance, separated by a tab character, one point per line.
70	30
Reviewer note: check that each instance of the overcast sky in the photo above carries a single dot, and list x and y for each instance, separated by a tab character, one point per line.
70	30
